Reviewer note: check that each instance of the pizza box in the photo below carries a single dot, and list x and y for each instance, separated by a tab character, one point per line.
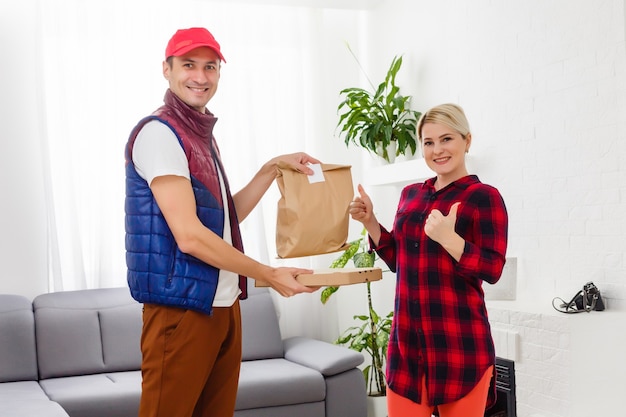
335	277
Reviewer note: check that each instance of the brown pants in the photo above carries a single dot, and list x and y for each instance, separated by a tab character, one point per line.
190	365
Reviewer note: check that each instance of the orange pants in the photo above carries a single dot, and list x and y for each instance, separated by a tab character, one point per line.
472	405
190	364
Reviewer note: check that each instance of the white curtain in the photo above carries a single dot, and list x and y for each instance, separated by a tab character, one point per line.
102	73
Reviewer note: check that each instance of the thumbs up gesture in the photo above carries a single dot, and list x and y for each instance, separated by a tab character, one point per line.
440	228
361	208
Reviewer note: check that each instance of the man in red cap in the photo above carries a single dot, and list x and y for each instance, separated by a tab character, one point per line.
183	247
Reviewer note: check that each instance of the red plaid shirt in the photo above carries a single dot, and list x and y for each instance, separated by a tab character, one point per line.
440	328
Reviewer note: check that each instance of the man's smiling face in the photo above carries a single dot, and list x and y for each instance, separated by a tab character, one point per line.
193	77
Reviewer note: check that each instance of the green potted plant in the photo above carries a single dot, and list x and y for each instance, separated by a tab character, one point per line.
375	119
372	336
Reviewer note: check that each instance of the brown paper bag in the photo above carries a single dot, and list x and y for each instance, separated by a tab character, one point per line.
313	218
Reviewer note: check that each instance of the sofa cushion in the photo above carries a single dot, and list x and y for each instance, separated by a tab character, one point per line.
278	382
299	410
24	391
18	361
87	332
121	334
261	338
327	358
114	394
27	399
38	408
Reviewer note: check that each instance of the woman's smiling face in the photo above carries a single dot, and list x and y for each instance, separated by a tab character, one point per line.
444	152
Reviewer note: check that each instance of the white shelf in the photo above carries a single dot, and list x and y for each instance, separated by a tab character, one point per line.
398	173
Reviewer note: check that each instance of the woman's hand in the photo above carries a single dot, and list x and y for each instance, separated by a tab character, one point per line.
440	228
362	210
361	207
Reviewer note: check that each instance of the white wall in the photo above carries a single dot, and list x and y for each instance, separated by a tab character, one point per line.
544	87
23	221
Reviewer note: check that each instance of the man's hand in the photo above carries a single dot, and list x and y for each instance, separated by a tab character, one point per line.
297	161
283	280
249	196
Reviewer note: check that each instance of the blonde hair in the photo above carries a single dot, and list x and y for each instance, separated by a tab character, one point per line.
451	115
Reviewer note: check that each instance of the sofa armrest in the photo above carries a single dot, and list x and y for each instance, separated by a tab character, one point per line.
324	357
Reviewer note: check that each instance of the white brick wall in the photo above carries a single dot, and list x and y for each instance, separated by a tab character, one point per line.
540	344
565	365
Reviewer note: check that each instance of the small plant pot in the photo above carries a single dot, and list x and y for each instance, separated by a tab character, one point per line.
408	155
391	153
376	406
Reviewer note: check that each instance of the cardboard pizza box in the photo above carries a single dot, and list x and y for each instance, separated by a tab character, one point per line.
335	277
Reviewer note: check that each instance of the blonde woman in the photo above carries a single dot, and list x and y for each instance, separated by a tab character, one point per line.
449	236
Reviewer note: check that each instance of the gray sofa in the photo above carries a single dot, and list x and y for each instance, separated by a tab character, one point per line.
77	354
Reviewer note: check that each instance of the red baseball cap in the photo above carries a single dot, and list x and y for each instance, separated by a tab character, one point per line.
184	40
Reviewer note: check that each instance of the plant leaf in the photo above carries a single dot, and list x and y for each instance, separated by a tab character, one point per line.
327	292
364	259
347	255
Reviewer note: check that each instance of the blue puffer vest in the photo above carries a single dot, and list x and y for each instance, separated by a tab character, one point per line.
158	272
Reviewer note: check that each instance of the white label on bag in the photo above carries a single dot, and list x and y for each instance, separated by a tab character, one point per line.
318	174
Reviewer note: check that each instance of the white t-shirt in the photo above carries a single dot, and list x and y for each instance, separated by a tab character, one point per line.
157	152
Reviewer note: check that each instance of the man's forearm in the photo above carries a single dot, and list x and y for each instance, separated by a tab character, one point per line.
213	250
249	196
